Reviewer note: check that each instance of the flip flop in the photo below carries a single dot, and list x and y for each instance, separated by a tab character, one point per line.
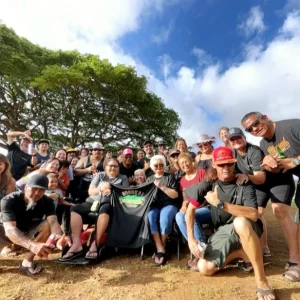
35	267
91	257
160	255
264	292
292	277
245	266
267	254
73	255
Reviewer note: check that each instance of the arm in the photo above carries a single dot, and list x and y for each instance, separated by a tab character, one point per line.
171	193
80	170
258	177
11	187
241	211
13	134
185	203
54	225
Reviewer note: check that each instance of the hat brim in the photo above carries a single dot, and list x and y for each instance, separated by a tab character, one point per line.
37	186
44	141
235	135
225	161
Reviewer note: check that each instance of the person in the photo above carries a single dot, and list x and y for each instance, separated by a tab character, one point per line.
87	167
61	155
181	145
192	175
235	217
162	150
42	154
140	155
223	134
248	168
145	162
164	207
71	153
83	152
174	168
99	191
204	158
139	177
7	182
281	146
127	167
53	191
28	218
51	166
19	157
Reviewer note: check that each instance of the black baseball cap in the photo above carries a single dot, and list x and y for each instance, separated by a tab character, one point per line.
173	152
38	181
162	143
148	142
235	131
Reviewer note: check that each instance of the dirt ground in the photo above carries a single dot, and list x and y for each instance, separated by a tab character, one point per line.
126	277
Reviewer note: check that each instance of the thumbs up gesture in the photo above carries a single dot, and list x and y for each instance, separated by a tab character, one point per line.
213	197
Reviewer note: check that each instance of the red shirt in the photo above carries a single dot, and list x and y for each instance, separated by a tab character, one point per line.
184	183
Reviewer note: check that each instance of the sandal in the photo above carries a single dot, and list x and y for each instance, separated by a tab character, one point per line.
291	277
32	270
290	264
245	266
194	265
160	255
264	292
72	256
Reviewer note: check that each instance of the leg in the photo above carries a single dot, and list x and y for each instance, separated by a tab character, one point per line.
251	245
264	237
180	220
202	216
166	218
153	216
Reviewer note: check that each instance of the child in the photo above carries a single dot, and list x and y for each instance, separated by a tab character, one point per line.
53	191
63	178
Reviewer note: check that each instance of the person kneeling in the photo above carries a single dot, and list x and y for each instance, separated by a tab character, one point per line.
234	214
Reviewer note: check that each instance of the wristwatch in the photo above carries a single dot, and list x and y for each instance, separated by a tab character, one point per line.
296	161
220	205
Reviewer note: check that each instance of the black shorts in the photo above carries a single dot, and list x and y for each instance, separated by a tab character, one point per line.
83	209
297	196
280	188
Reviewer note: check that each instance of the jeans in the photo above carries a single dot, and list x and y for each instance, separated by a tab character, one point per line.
202	216
162	216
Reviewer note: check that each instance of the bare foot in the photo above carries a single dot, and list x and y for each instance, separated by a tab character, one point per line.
264	291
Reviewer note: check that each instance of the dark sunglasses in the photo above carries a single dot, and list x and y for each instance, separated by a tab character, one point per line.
254	124
203	145
226	164
158	165
96	149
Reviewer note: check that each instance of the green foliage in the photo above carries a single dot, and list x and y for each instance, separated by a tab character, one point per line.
73	98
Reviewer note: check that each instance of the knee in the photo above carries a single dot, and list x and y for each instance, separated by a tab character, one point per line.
241	226
206	268
152	216
279	210
180	217
165	225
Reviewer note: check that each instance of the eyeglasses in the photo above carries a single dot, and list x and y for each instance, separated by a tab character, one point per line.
158	165
203	145
254	124
96	149
128	156
174	156
113	166
225	165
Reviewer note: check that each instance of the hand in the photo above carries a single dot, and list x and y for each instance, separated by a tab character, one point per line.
285	163
63	241
28	133
130	179
105	186
193	245
183	208
33	151
269	161
213	197
241	178
106	192
42	250
158	184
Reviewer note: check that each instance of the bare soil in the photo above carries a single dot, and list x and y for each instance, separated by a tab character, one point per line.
126	277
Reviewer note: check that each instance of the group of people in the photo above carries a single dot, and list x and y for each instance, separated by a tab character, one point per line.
227	186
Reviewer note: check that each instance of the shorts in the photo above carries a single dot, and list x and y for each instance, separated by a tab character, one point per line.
83	209
297	196
225	240
280	188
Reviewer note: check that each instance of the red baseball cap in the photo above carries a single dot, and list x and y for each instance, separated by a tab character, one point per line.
127	151
223	155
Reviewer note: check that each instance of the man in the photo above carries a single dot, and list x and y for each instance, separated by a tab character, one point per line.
162	150
145	162
248	168
235	217
281	146
19	157
42	154
127	167
140	155
28	218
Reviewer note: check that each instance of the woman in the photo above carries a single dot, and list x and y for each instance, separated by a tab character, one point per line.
50	166
7	182
181	145
204	159
223	134
164	207
84	152
100	189
139	177
203	214
87	167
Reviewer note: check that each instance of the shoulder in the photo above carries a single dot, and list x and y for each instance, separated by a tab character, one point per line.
253	149
11	198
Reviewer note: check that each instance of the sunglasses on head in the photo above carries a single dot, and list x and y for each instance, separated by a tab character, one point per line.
158	165
226	164
254	124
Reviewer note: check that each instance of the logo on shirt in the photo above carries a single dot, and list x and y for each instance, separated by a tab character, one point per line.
132	198
279	149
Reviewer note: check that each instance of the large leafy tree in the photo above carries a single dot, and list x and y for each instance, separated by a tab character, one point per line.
73	98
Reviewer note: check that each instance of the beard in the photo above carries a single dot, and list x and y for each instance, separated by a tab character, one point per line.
31	204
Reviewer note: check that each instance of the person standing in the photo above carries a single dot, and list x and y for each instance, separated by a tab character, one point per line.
145	162
127	167
42	153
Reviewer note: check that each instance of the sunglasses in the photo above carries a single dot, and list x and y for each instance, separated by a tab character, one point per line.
96	149
203	145
158	165
113	166
226	164
254	124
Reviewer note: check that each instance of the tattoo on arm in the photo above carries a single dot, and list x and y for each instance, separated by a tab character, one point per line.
52	220
17	236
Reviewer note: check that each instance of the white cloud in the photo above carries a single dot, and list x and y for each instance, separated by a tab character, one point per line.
202	56
254	22
164	34
267	80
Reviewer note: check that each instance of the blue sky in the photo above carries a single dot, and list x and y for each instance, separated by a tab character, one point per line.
211	61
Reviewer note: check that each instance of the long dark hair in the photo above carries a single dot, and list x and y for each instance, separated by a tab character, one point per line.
6	175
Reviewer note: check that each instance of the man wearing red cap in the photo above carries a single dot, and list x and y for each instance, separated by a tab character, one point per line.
235	217
127	167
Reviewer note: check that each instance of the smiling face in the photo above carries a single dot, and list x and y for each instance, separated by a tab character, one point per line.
158	167
53	166
140	155
185	164
224	135
43	147
139	177
238	142
112	168
2	167
24	145
148	149
225	171
181	146
205	148
61	155
258	126
53	183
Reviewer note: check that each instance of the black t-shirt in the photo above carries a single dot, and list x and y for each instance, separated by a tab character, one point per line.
160	198
251	161
228	192
18	159
141	164
285	141
13	208
129	172
204	164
